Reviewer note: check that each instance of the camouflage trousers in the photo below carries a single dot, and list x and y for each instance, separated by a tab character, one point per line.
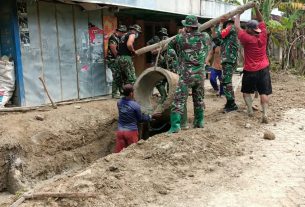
117	78
182	92
161	86
126	69
228	69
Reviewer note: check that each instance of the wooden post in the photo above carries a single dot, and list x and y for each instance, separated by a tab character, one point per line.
28	196
47	92
202	27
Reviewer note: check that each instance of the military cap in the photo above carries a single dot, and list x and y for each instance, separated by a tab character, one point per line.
163	31
122	28
190	21
136	27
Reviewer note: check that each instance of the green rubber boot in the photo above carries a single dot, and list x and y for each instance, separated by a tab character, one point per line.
199	118
175	123
115	90
184	125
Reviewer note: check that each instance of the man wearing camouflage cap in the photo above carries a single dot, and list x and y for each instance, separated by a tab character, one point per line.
227	36
192	48
167	60
113	44
162	35
125	53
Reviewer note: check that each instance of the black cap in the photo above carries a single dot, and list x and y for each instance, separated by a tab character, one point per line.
253	24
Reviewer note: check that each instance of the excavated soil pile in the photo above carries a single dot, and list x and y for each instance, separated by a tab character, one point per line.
38	145
144	171
150	172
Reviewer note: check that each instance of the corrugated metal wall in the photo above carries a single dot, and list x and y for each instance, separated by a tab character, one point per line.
202	8
171	6
212	9
60	50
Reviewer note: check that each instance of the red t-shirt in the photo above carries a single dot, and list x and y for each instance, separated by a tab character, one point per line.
254	49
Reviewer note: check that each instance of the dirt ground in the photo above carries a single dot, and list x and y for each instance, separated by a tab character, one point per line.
37	145
163	171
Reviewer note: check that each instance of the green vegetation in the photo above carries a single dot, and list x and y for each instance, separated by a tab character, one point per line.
286	32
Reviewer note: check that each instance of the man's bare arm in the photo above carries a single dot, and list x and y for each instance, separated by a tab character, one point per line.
209	57
130	42
113	49
213	32
237	22
259	15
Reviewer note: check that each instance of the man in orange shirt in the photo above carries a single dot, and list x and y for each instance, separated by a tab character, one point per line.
216	68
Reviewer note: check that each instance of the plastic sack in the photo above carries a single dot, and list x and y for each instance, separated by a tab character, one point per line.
7	81
109	78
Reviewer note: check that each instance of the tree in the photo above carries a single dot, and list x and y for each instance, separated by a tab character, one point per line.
293	35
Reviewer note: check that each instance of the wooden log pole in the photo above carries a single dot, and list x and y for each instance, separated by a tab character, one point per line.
28	196
18	202
47	92
60	195
202	27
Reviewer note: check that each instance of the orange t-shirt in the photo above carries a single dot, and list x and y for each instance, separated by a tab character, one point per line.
217	59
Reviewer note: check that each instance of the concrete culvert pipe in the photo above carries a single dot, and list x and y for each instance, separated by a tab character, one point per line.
144	88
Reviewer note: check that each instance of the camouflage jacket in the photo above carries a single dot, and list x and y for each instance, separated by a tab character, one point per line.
113	39
169	60
192	50
229	44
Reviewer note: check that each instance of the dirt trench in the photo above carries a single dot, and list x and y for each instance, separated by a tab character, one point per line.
6	156
43	144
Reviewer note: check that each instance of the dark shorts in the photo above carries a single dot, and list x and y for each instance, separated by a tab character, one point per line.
257	81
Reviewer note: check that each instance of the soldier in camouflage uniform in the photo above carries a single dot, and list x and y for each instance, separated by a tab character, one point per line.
168	60
229	56
125	53
192	48
113	44
171	61
162	35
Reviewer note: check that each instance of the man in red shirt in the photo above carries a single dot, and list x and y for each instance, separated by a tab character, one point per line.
256	64
129	116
